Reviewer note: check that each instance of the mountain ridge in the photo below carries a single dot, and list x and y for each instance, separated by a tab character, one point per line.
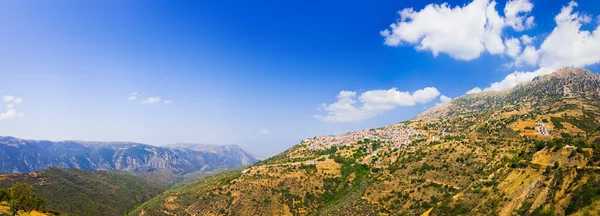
23	155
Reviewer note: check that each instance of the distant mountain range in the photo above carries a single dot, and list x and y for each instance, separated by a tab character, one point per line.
23	156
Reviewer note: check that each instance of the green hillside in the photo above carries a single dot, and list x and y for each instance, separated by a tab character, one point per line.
77	192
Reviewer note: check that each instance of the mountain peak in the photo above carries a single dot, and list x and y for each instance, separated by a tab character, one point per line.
572	72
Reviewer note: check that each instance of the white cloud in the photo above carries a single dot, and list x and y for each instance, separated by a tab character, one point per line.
10	107
132	96
445	99
492	40
10	114
9	98
529	56
373	103
526	39
264	131
517	77
513	47
13	99
152	100
461	32
474	90
168	101
513	12
568	45
513	79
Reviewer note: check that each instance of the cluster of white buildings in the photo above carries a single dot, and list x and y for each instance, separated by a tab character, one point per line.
541	129
398	136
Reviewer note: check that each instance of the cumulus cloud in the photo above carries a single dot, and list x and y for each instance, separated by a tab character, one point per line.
461	32
168	101
152	100
529	56
568	45
513	12
513	79
10	108
132	96
13	99
513	47
373	103
445	99
264	131
526	39
517	77
9	98
474	90
11	113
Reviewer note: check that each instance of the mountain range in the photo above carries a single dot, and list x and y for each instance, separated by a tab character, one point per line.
24	156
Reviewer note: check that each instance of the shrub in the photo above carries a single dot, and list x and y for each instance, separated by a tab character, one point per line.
584	195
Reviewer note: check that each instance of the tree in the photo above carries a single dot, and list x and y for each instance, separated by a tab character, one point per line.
3	194
556	164
22	198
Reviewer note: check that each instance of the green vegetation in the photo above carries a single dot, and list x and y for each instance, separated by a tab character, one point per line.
584	195
587	123
78	192
20	198
556	122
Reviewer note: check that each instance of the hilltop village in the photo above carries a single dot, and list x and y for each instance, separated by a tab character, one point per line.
398	135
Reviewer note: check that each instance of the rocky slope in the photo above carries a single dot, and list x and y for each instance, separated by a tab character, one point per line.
530	150
22	156
233	152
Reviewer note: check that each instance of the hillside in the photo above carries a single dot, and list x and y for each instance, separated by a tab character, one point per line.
22	156
530	150
78	192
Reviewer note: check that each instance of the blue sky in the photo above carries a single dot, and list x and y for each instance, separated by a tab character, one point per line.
266	74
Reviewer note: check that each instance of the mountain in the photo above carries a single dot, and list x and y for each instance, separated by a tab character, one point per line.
233	152
78	192
22	156
530	150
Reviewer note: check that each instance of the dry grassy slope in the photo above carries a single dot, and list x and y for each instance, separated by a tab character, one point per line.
494	165
5	210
